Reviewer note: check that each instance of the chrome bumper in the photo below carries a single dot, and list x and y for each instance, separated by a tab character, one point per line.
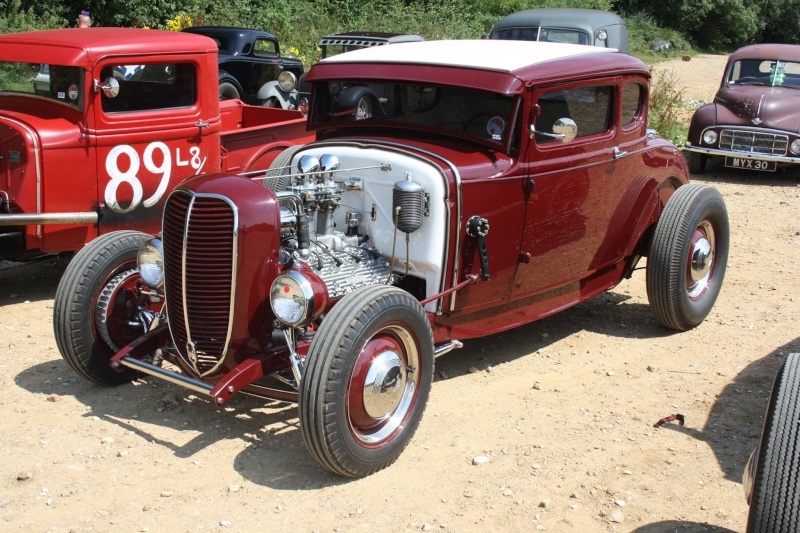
741	155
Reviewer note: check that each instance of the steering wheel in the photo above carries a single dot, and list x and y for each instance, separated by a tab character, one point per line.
474	118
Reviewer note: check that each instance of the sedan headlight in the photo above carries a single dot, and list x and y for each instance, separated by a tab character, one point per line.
795	146
297	298
710	137
287	81
151	263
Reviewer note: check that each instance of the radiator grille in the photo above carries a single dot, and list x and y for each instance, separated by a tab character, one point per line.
753	142
199	267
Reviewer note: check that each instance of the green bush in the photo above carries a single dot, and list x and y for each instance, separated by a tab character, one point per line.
665	114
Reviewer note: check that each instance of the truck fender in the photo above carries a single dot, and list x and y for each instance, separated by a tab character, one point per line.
271	89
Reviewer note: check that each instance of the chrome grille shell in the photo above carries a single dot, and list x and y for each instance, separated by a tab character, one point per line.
753	142
200	241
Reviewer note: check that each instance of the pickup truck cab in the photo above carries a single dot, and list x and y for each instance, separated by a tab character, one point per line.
456	189
121	117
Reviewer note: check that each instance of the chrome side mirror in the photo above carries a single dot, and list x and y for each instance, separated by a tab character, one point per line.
110	87
564	130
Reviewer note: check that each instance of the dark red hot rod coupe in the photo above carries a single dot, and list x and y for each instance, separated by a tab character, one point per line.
456	189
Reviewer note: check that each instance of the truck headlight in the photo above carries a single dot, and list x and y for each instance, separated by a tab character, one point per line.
709	137
151	263
795	146
287	81
297	298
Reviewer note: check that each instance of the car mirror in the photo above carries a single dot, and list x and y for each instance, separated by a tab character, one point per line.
110	87
564	130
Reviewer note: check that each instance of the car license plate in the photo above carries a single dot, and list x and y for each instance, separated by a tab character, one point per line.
750	164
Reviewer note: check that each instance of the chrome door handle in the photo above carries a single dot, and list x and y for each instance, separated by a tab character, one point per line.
618	154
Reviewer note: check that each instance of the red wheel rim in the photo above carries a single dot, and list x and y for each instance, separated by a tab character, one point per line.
383	387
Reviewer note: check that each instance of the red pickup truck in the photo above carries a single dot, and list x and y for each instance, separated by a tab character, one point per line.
95	142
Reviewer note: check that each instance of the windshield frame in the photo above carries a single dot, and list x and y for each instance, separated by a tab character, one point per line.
335	105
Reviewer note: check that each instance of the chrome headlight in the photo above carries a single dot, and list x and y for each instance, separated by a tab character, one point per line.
709	137
287	81
151	263
795	146
292	299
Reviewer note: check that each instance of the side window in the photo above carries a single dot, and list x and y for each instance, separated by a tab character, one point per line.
589	107
264	47
632	101
150	87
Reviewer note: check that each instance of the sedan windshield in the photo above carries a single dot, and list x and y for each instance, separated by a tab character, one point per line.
63	84
464	112
768	72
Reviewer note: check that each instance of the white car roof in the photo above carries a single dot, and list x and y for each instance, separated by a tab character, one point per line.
484	54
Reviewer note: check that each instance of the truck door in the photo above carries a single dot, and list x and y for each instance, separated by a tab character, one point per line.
576	212
156	126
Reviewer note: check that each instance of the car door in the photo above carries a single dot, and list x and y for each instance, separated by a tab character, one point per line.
155	127
573	214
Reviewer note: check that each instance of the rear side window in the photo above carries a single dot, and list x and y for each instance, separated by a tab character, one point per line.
632	101
589	107
150	87
264	47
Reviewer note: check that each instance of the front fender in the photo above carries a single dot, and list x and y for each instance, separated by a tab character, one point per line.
272	89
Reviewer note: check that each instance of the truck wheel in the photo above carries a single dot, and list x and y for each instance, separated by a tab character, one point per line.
228	91
277	176
697	162
95	304
366	381
688	257
775	498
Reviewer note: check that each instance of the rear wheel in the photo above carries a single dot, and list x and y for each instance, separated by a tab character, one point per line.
688	257
228	91
775	500
95	312
366	381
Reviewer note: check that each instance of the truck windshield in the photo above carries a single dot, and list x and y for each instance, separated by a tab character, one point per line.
60	83
460	111
769	72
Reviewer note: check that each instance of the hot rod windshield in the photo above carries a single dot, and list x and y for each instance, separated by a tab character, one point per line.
769	72
464	112
60	83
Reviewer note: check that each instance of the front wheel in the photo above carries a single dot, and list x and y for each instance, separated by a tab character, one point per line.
96	306
697	162
366	381
775	496
688	257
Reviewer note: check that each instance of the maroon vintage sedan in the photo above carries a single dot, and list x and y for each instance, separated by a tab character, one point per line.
754	121
456	189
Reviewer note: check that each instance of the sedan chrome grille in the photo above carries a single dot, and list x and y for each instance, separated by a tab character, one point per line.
753	142
199	268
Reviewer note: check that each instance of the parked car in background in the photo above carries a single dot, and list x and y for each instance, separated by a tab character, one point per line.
345	42
41	79
754	121
770	479
591	27
456	189
251	67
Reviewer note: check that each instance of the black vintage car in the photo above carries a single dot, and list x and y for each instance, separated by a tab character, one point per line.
251	67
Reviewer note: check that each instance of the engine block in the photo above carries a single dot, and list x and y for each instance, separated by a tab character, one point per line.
346	270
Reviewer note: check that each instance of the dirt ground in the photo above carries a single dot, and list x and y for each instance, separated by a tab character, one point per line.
563	409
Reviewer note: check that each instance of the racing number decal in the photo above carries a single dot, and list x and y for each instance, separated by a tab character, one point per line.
130	176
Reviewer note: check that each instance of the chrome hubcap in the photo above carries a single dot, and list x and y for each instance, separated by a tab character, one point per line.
384	385
701	260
